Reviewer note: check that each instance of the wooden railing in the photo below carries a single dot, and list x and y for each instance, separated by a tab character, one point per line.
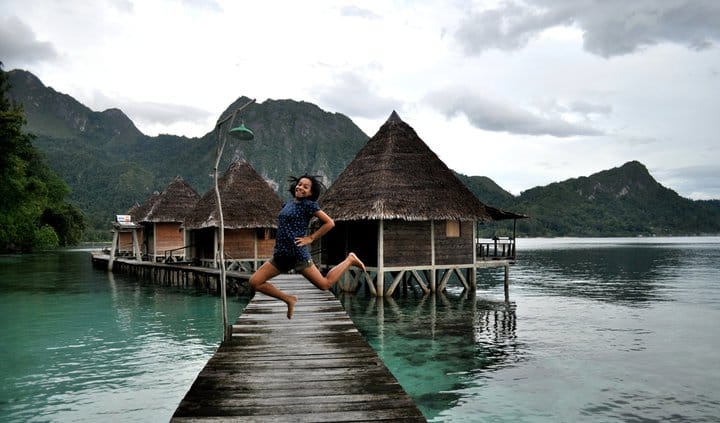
496	248
170	257
247	265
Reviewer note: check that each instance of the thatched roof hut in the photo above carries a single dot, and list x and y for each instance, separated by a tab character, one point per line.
171	205
161	216
138	211
129	235
397	176
247	202
401	209
250	209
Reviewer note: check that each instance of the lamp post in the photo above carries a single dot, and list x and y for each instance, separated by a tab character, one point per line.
242	133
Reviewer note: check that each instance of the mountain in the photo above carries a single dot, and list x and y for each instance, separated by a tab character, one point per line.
624	201
60	116
110	165
486	190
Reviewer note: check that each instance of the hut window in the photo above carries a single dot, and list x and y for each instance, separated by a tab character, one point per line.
452	228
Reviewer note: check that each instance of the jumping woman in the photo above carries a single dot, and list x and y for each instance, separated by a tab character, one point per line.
291	251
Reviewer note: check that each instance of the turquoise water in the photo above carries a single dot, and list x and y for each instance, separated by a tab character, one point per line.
79	345
597	330
602	330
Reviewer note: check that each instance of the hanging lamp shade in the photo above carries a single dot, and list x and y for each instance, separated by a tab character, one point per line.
242	133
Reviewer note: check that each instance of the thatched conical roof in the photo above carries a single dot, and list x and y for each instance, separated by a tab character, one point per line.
139	211
397	176
247	202
171	205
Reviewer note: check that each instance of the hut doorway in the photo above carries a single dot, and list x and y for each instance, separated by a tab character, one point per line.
359	237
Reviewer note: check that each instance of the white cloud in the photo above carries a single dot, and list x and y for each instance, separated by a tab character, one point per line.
493	114
352	94
702	182
352	10
610	28
19	44
524	92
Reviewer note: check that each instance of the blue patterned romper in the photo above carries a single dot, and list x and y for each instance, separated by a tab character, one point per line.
293	221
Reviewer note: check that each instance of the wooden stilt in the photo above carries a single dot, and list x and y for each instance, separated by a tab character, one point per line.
507	283
112	251
380	282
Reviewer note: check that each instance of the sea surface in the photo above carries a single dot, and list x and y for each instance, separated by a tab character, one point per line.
596	330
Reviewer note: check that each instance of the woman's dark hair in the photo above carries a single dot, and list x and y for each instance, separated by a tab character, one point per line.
315	187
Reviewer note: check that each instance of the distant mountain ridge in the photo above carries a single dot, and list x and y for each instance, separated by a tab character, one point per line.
623	201
110	165
61	116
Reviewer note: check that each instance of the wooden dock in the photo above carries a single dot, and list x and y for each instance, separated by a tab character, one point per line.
174	274
316	367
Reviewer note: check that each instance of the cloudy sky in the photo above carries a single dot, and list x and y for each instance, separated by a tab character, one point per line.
525	92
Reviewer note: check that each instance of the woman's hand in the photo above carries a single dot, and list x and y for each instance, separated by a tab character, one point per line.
302	241
328	224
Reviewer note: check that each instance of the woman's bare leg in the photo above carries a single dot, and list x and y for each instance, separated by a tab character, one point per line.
325	282
259	282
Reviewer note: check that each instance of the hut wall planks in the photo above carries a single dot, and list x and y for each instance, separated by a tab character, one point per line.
168	236
407	243
454	249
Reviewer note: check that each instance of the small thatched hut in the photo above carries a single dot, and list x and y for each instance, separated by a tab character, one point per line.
126	231
250	208
161	216
404	212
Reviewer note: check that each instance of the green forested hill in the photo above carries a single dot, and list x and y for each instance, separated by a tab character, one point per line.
624	201
487	190
110	165
34	211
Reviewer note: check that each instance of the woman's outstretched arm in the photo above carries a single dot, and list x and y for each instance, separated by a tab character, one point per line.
327	224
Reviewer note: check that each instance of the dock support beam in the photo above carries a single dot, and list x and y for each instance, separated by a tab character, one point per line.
380	283
112	250
507	283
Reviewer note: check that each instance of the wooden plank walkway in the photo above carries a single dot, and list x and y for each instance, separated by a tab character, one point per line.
316	367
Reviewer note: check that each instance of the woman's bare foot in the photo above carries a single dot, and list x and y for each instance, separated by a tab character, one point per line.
291	306
356	261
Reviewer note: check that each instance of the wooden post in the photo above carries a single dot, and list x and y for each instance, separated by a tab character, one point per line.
155	252
255	250
136	245
514	238
473	276
433	281
215	248
112	250
186	243
380	281
507	283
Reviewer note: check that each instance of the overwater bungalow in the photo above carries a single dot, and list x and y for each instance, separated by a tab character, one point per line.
126	238
127	234
161	217
401	209
250	208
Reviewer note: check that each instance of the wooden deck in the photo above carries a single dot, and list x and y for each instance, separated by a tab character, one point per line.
175	274
316	367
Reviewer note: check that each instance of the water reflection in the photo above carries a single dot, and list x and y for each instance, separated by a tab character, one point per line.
437	345
172	312
640	406
42	273
633	274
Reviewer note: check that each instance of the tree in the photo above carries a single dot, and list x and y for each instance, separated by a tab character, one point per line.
33	210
